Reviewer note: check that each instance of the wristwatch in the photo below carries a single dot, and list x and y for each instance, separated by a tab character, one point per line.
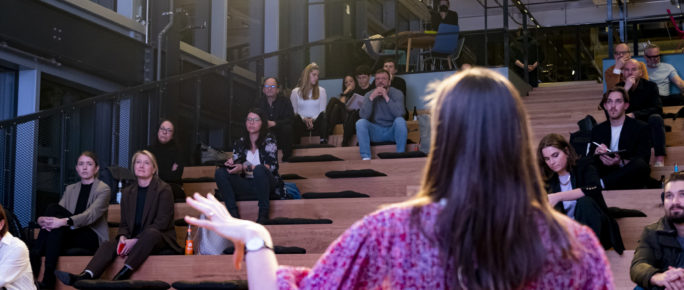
617	71
256	244
70	222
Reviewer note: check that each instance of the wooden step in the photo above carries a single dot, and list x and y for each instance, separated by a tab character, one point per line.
177	268
619	265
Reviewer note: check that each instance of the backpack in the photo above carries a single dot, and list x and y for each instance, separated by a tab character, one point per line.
580	140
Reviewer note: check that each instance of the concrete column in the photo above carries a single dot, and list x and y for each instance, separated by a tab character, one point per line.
219	28
26	146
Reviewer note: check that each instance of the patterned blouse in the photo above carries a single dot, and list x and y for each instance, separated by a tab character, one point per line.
382	251
268	152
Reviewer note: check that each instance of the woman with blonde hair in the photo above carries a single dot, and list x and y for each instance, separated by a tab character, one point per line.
309	101
480	221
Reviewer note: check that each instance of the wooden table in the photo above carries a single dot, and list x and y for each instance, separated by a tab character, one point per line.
414	39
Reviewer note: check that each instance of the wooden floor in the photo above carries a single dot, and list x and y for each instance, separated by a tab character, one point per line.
553	109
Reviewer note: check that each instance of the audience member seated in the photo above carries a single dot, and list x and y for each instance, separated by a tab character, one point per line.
624	149
78	221
480	204
252	173
381	116
336	110
146	224
657	262
15	267
396	82
443	15
645	105
663	74
309	101
169	157
280	114
613	74
575	190
364	86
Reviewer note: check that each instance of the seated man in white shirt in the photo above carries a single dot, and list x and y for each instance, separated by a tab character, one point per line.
663	74
15	266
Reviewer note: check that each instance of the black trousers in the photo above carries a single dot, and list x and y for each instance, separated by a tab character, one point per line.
336	112
634	175
234	187
150	240
657	126
350	127
320	127
53	244
673	100
283	134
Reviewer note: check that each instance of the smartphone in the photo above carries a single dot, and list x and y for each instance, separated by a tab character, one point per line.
120	249
612	154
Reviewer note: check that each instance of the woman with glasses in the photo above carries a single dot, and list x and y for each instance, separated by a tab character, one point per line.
309	101
252	172
169	158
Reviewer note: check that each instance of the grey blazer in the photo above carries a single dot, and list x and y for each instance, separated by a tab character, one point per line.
95	215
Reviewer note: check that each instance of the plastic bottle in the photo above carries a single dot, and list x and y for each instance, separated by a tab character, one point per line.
118	194
188	242
676	168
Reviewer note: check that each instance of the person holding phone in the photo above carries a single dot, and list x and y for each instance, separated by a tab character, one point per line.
627	170
252	172
481	219
575	190
79	220
146	225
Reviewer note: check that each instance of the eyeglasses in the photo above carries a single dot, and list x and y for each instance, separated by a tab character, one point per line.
166	130
251	120
651	56
270	86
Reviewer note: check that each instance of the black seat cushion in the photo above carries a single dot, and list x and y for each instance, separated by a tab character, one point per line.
296	221
277	249
315	158
126	284
210	285
354	173
304	146
291	176
339	194
382	143
199	179
395	155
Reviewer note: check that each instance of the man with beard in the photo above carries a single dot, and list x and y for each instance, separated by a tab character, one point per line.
658	260
381	116
623	148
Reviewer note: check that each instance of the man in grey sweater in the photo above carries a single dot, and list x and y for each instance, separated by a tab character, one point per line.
381	116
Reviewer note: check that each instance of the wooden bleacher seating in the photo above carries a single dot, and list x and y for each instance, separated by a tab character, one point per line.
554	109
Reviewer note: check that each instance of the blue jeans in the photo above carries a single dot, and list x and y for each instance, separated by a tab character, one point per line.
367	132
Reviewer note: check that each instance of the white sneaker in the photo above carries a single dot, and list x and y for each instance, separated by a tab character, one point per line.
365	158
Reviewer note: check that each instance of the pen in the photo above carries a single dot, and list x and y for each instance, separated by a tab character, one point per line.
597	144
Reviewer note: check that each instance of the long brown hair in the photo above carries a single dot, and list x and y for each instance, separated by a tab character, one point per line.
5	227
305	85
558	142
482	163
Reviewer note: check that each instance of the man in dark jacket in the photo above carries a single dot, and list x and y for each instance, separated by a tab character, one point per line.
623	148
279	110
658	259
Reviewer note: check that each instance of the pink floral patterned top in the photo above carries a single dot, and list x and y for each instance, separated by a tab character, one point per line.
383	251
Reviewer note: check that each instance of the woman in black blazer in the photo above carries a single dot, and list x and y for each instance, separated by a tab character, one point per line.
575	189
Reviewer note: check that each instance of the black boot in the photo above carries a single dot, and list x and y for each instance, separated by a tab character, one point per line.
124	274
69	279
263	215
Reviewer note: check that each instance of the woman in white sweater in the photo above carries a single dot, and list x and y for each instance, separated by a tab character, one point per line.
309	101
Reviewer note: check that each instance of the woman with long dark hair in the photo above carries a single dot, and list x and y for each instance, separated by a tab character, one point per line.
336	110
574	189
78	221
252	172
480	221
309	101
169	157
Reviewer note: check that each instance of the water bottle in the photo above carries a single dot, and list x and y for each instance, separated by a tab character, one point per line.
189	249
676	168
118	193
